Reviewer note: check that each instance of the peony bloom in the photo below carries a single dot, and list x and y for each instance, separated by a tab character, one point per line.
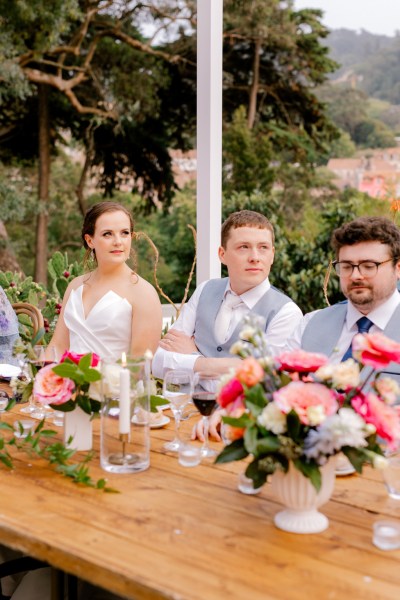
375	350
75	358
250	372
380	415
302	361
230	392
50	388
300	397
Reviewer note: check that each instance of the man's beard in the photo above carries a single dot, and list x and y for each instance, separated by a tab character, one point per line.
358	299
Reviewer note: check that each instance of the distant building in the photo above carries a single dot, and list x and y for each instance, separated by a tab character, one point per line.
377	173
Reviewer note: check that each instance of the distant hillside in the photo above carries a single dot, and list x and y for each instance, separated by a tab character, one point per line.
369	62
351	48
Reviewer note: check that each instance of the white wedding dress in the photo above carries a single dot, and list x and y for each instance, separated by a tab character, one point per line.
107	328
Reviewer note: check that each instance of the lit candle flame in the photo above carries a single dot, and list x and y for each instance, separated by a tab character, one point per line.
123	359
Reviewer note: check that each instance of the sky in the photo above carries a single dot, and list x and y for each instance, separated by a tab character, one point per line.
375	16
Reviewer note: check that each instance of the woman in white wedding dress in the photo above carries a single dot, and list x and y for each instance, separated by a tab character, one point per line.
111	309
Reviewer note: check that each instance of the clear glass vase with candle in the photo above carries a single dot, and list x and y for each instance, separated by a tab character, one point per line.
125	416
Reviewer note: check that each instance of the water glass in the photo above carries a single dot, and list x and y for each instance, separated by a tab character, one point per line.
391	476
246	485
178	390
189	455
386	535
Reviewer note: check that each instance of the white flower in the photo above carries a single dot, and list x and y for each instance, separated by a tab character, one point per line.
109	383
272	419
346	374
238	347
315	415
266	362
345	428
324	373
388	389
247	333
380	462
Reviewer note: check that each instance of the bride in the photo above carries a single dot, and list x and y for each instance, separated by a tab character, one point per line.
111	309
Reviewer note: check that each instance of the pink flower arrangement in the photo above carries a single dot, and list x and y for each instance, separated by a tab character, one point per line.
66	385
75	358
304	398
49	388
250	372
301	361
376	350
287	409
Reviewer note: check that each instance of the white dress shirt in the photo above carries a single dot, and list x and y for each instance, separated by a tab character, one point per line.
279	329
380	317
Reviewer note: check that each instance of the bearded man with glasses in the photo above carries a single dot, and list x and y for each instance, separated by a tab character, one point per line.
368	265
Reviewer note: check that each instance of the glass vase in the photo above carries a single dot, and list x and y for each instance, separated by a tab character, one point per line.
125	417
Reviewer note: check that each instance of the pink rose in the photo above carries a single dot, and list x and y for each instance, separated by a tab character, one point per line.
375	350
384	418
50	388
312	402
302	361
230	392
75	357
250	372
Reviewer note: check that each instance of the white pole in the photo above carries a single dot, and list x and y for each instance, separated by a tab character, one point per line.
209	137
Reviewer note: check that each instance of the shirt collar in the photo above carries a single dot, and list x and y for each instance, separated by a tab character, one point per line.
380	316
251	297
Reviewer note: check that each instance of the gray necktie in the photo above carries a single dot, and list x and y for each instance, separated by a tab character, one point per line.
224	316
363	326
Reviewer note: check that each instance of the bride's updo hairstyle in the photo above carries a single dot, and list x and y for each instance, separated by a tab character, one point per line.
89	224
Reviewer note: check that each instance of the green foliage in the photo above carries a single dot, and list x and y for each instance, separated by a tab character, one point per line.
38	443
247	155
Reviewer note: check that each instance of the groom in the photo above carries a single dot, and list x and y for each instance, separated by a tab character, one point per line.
211	321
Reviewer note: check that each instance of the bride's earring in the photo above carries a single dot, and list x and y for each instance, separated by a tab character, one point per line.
92	255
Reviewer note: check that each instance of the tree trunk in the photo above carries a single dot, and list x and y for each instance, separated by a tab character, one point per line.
254	86
44	180
8	261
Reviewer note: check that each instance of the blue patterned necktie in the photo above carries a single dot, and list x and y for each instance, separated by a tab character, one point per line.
363	326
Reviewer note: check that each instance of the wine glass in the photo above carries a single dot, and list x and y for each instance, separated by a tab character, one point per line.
178	390
205	400
37	358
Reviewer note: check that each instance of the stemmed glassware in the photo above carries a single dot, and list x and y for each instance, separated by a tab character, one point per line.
30	365
178	390
205	400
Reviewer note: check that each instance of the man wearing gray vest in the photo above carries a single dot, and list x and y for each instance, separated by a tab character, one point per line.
368	265
211	321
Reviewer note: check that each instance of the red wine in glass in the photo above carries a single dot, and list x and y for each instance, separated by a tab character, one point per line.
205	402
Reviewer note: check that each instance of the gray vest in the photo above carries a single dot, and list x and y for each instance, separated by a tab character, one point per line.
324	328
209	304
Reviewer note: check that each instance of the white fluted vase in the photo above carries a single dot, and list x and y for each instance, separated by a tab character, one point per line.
78	426
302	500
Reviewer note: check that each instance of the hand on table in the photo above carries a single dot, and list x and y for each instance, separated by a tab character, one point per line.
177	341
214	428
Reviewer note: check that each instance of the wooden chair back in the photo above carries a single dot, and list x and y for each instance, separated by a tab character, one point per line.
33	312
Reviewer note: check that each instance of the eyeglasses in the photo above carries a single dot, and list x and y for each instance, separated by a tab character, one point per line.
366	268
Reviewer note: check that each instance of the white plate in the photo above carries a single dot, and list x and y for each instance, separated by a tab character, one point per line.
160	422
343	472
164	420
9	370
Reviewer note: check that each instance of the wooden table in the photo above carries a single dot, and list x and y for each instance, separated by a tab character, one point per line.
188	533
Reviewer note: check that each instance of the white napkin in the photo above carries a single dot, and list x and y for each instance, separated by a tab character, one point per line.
9	370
